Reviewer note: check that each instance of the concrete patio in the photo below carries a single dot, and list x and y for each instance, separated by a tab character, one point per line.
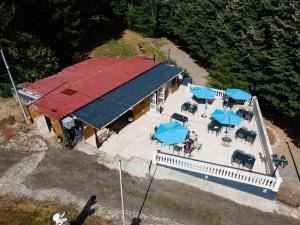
134	141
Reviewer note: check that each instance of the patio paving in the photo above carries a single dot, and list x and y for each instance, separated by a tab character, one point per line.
134	139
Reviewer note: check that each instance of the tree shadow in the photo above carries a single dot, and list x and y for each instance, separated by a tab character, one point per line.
100	30
290	126
86	211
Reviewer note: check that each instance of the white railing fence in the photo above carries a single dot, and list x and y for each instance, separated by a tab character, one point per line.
228	173
263	136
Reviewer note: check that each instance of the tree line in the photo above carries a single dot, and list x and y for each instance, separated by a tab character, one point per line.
253	45
40	37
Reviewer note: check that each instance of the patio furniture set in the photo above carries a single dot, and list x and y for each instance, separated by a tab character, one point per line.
189	107
191	144
176	134
180	118
244	133
239	157
246	114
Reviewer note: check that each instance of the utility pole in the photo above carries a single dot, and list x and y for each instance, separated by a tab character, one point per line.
121	188
13	84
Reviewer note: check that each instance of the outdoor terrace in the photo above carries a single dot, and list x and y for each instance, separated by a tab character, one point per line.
134	140
214	158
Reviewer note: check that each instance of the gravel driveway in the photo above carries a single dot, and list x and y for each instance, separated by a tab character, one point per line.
183	59
47	171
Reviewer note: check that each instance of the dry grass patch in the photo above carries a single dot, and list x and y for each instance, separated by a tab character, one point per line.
289	194
129	45
202	212
26	211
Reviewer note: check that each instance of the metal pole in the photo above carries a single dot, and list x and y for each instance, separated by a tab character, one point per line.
121	188
275	170
13	84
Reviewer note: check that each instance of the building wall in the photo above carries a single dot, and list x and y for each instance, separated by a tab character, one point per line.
88	132
57	127
141	108
175	85
33	113
54	122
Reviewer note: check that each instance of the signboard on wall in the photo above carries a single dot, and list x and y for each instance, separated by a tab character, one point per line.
102	136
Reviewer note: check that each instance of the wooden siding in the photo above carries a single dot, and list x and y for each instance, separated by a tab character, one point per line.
141	108
175	86
54	122
33	113
88	132
57	127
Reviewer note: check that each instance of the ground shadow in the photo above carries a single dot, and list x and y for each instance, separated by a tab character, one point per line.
86	211
290	126
137	220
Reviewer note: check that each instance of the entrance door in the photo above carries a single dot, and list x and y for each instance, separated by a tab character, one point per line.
153	102
160	96
42	125
169	84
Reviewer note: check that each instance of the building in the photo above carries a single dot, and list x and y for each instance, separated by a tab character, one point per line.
98	96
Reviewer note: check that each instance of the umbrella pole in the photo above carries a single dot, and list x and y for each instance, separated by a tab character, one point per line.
205	107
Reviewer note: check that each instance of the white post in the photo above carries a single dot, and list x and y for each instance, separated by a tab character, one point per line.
278	183
189	87
121	188
13	84
154	157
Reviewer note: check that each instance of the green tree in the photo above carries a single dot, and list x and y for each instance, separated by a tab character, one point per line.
6	16
247	43
31	59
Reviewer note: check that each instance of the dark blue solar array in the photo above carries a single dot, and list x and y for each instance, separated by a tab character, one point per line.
105	109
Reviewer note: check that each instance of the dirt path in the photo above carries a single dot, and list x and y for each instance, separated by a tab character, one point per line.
289	191
183	59
53	173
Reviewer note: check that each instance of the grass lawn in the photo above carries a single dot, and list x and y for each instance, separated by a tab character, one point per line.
127	45
115	48
26	211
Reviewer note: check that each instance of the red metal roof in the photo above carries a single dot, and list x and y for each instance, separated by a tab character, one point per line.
70	73
80	84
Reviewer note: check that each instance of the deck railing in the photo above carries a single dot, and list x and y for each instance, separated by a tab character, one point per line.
263	136
224	172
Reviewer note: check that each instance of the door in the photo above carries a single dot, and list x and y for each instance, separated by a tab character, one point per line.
169	85
42	125
160	96
153	102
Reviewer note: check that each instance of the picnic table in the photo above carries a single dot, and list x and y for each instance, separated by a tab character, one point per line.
243	133
179	117
246	114
187	106
240	157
